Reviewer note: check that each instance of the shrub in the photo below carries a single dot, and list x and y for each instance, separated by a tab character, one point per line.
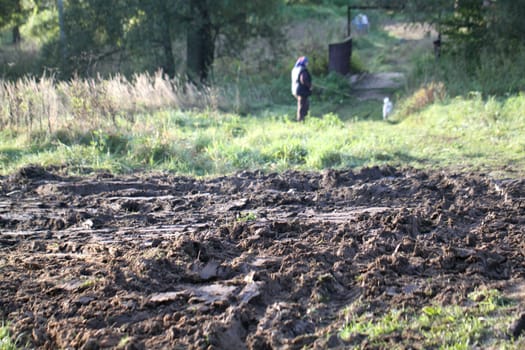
330	159
421	98
356	64
290	153
329	120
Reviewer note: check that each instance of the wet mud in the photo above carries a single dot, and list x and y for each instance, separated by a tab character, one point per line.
249	261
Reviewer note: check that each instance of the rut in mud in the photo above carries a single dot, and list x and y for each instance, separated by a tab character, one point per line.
253	260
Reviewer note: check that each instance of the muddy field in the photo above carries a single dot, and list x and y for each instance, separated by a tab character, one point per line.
254	260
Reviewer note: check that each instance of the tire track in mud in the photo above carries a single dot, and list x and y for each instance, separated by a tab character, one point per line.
252	260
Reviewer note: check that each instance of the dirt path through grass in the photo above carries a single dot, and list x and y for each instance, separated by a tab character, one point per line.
408	39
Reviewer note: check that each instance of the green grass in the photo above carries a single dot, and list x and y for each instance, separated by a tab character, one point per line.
123	342
481	323
468	133
5	338
245	217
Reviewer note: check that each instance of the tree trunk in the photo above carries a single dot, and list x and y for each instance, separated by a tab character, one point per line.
60	6
17	38
200	44
169	66
169	59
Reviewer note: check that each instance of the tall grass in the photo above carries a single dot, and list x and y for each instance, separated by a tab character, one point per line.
494	73
44	105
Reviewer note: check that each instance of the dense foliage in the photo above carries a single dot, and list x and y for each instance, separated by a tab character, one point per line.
129	36
103	35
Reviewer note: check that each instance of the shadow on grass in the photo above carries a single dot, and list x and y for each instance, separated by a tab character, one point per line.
392	122
397	156
394	158
10	156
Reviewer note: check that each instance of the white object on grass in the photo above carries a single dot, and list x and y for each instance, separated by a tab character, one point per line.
387	108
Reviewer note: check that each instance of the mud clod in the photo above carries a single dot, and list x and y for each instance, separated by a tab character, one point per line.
517	327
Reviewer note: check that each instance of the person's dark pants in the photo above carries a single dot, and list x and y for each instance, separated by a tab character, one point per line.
302	107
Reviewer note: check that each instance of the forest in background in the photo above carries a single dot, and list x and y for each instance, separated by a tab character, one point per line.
188	39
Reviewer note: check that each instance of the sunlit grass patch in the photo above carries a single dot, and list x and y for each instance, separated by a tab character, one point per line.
482	322
6	343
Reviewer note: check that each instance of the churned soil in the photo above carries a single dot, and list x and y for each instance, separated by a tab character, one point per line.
249	261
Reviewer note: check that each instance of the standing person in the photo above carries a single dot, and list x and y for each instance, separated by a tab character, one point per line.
301	87
358	21
365	24
437	46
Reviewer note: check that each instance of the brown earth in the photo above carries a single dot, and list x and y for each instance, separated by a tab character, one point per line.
253	260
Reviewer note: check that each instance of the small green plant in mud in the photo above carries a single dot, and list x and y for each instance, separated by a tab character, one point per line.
87	284
391	322
245	217
123	342
154	254
5	338
482	322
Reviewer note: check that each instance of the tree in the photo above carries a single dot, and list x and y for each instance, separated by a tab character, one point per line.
200	40
208	26
14	15
505	20
145	32
474	25
89	33
156	26
62	43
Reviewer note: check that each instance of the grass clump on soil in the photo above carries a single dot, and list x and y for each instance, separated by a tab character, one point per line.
123	342
6	343
482	322
245	217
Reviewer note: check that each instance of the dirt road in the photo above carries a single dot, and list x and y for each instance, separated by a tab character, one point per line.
257	261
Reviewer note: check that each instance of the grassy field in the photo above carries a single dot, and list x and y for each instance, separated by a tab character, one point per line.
427	130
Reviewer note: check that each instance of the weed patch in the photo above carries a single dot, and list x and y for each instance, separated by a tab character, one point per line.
6	343
483	322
